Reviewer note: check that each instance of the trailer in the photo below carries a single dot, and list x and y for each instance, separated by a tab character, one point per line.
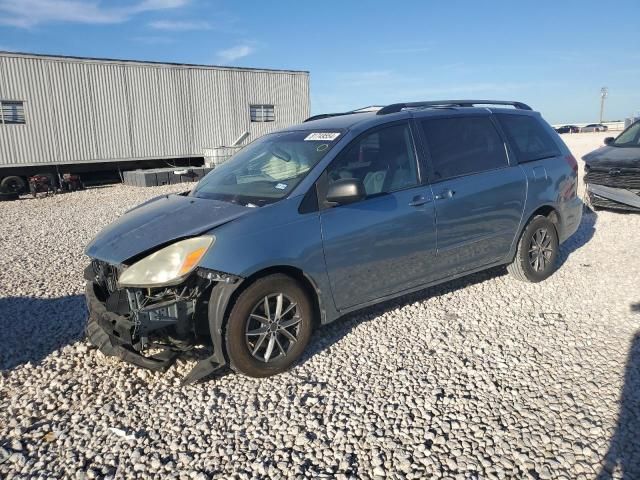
71	115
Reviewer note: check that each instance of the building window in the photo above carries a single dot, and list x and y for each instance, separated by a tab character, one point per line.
262	113
11	112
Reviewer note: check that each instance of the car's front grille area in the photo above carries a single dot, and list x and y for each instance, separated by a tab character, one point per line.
614	177
106	275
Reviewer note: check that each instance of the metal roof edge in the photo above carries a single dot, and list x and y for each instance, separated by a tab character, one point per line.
143	62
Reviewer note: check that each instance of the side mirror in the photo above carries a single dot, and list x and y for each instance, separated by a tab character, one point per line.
346	190
609	140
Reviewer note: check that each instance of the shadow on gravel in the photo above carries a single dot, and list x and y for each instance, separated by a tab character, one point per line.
324	337
583	235
33	327
623	456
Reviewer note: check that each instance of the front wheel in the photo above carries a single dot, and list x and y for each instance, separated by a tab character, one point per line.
269	326
537	252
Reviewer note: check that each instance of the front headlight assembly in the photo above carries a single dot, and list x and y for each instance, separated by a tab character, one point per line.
168	266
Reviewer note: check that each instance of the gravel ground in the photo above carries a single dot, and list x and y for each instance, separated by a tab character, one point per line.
484	377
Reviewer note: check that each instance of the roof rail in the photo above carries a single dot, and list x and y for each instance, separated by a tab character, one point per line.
398	107
368	109
325	115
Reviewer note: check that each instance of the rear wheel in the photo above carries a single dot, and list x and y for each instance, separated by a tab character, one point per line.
269	326
537	251
13	184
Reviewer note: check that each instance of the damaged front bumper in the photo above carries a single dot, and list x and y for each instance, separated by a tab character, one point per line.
614	198
613	187
129	323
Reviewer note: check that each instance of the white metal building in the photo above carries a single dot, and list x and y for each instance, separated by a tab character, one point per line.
67	110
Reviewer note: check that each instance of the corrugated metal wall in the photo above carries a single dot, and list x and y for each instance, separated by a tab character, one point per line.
90	110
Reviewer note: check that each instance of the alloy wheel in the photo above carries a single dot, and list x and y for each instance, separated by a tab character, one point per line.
272	327
540	250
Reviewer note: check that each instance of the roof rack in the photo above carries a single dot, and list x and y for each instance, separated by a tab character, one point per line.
398	107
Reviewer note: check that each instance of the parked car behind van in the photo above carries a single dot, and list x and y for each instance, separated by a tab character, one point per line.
612	172
594	127
324	218
568	129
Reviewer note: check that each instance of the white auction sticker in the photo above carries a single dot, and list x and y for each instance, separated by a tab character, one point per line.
322	136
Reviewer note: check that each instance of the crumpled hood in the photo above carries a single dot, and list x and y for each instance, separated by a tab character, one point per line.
158	222
614	157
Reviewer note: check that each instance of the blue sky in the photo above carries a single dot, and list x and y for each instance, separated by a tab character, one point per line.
554	55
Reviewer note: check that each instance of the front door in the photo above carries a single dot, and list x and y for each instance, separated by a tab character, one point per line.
479	196
385	243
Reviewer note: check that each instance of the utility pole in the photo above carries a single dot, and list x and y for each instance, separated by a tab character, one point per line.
604	91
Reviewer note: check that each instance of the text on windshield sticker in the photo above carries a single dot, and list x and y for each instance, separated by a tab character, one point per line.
322	136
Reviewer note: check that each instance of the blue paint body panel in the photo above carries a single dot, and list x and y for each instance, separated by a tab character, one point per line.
378	247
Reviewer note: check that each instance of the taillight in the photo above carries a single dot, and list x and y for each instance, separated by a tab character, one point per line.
572	162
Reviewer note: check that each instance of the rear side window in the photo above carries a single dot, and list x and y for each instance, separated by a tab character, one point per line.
528	137
463	145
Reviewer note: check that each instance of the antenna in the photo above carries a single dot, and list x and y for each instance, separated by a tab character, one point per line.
604	91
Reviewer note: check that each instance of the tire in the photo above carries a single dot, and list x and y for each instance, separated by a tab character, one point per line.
7	197
13	184
248	351
539	231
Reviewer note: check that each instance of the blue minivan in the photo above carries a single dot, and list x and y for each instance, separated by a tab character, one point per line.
326	217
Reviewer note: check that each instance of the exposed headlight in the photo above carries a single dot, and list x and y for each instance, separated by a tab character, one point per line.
168	266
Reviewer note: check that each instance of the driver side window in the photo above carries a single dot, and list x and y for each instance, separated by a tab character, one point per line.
384	161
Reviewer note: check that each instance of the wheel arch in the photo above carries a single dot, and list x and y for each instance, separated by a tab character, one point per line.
223	297
305	281
546	210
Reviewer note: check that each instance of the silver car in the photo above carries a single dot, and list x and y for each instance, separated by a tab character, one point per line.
594	127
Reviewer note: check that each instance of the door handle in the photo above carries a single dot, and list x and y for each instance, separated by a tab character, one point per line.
445	194
419	200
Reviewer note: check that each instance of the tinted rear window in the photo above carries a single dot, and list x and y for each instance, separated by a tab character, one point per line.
463	145
528	137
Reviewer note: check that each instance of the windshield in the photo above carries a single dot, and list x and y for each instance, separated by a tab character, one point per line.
630	137
268	169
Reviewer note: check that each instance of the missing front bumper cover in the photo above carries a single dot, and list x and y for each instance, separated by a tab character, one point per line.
111	333
119	335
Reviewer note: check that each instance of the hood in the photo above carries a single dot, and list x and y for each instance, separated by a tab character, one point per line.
158	222
622	157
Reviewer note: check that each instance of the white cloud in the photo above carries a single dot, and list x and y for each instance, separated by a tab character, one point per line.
234	53
29	13
180	25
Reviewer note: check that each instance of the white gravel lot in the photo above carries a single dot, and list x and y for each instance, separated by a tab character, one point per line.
484	377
